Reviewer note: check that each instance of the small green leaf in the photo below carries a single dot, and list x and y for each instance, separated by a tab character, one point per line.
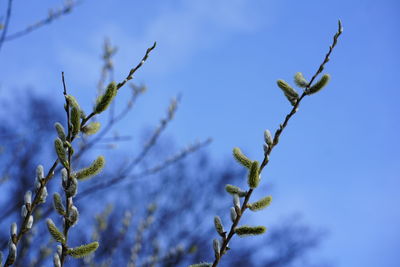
254	177
260	204
94	169
250	230
241	158
55	233
83	250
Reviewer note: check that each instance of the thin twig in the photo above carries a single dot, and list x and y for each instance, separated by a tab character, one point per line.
50	18
6	23
265	161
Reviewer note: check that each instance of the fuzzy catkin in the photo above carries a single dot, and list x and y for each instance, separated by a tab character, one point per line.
83	250
260	204
254	177
299	80
241	158
105	100
250	230
319	85
55	233
94	169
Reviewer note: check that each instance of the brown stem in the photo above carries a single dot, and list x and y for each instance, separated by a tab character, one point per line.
277	134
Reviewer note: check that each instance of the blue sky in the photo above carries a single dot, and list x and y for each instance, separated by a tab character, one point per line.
338	161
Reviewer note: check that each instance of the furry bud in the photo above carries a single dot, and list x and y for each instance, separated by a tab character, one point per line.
83	250
28	197
231	189
60	131
268	137
13	229
39	172
218	226
241	158
73	215
56	260
55	233
59	250
72	189
105	100
75	120
59	147
261	204
233	214
299	80
91	128
217	247
24	211
58	205
288	91
254	177
29	223
12	252
92	170
250	230
319	85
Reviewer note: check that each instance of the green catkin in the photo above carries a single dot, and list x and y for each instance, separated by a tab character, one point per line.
319	85
254	177
250	230
202	264
60	131
260	204
234	190
72	101
55	233
75	120
83	250
92	170
218	225
289	92
91	128
59	147
299	80
104	100
57	203
241	158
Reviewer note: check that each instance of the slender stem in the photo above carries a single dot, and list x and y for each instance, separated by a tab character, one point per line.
277	134
68	200
6	23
